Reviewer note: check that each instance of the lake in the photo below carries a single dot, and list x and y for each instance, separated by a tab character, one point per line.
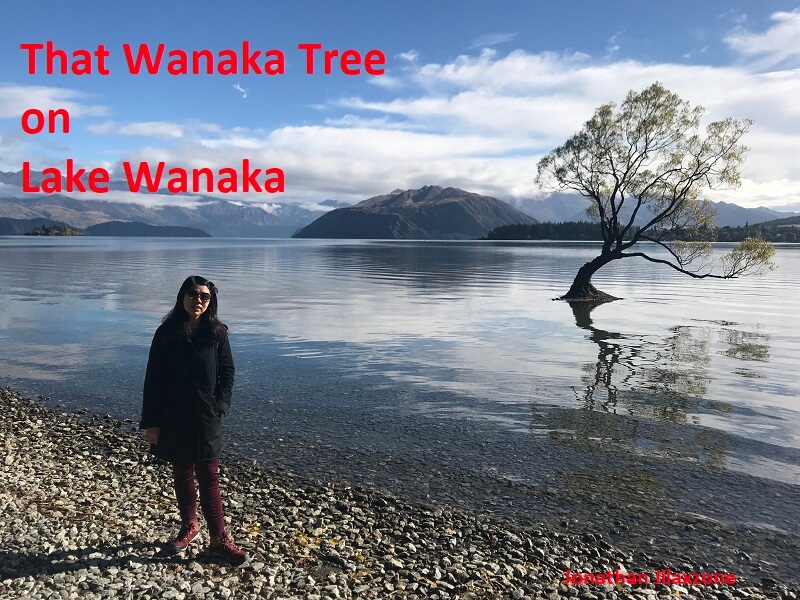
444	371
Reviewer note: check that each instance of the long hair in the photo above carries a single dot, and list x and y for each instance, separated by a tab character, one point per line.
178	320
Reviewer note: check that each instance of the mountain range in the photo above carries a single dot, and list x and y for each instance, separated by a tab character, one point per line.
564	208
223	218
220	218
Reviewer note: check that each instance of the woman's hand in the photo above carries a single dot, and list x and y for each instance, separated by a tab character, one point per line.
152	434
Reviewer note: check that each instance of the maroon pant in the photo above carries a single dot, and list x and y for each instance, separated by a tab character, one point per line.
210	498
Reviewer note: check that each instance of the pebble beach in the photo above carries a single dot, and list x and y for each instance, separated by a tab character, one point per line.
85	510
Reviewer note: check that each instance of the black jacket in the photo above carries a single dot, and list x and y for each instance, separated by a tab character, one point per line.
187	389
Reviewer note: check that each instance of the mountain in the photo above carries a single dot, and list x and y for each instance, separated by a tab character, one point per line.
130	229
563	207
431	212
559	207
734	215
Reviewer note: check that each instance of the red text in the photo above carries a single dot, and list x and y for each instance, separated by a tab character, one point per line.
33	121
79	62
54	182
349	61
225	62
225	181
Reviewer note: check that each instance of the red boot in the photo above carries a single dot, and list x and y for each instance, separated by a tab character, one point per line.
223	547
188	533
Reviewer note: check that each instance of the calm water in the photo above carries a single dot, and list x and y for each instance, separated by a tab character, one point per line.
444	354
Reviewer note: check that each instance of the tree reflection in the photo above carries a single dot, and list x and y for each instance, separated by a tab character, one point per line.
745	345
649	397
599	377
631	374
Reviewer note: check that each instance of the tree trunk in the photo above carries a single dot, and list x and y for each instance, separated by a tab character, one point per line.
582	289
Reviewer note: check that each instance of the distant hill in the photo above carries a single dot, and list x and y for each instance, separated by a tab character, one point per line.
134	229
787	222
55	230
431	212
559	207
562	207
21	226
580	230
733	215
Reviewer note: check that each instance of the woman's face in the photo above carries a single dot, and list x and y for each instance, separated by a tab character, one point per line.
196	301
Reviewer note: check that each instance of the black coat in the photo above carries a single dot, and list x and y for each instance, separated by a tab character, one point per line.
187	389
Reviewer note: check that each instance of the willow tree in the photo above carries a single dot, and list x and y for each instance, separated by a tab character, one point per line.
648	161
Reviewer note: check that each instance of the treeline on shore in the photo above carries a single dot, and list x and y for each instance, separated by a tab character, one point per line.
54	230
582	230
770	233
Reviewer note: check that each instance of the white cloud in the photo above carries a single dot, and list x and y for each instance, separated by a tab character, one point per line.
239	88
777	45
613	46
386	82
410	56
695	51
16	99
156	129
492	39
351	120
734	16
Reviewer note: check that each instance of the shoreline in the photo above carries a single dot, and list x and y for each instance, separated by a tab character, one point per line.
86	505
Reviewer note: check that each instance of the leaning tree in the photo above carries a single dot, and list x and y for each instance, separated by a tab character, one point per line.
648	162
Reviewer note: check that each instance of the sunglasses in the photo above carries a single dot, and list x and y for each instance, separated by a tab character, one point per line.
194	295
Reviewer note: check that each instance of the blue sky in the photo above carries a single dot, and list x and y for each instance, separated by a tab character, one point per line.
474	92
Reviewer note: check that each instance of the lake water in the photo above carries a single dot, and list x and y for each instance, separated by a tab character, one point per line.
429	367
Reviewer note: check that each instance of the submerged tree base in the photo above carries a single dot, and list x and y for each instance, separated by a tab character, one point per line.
587	293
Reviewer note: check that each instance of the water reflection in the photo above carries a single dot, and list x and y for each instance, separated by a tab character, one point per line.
745	345
651	396
445	268
662	381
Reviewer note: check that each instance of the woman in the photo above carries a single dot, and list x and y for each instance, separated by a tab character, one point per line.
187	389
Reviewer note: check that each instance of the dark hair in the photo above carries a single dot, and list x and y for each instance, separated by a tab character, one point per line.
178	321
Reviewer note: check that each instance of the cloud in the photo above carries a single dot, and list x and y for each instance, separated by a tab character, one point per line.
734	16
239	88
695	51
16	99
155	129
778	45
613	45
17	147
386	82
410	56
351	120
492	39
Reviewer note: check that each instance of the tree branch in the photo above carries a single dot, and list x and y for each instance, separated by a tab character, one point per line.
661	261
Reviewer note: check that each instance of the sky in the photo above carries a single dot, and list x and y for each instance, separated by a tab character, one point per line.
473	93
